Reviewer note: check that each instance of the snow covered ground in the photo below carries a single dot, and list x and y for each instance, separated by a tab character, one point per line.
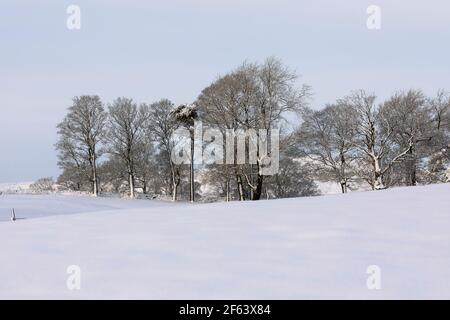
15	187
296	248
28	206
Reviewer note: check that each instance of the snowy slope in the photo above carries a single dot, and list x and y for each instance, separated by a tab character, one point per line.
298	248
27	206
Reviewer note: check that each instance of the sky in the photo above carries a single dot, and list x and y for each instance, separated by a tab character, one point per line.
148	50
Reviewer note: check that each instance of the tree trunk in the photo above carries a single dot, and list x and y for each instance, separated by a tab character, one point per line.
378	177
94	175
413	175
412	168
174	192
344	186
258	191
144	187
131	178
342	173
191	171
228	190
175	181
240	188
252	191
175	184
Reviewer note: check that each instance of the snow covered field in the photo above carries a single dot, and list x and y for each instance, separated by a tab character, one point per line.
296	248
28	206
15	187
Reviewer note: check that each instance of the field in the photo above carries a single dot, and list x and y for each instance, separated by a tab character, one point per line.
317	247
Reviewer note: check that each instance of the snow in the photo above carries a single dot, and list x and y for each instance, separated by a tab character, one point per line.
326	187
27	206
316	247
15	187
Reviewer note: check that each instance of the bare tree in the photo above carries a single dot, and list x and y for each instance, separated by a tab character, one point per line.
292	180
226	105
276	95
161	126
371	145
327	138
81	134
127	135
376	129
43	185
439	107
113	176
254	96
440	110
408	122
75	168
145	164
218	182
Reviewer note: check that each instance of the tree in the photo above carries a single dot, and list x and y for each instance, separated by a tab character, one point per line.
126	135
440	110
81	134
438	166
145	164
408	122
75	168
387	135
327	139
186	116
218	179
371	144
276	95
42	185
226	105
253	97
160	126
292	180
114	177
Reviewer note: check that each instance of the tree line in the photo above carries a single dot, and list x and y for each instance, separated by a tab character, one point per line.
126	147
401	141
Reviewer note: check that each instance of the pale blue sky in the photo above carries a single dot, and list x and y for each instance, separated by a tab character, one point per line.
149	50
